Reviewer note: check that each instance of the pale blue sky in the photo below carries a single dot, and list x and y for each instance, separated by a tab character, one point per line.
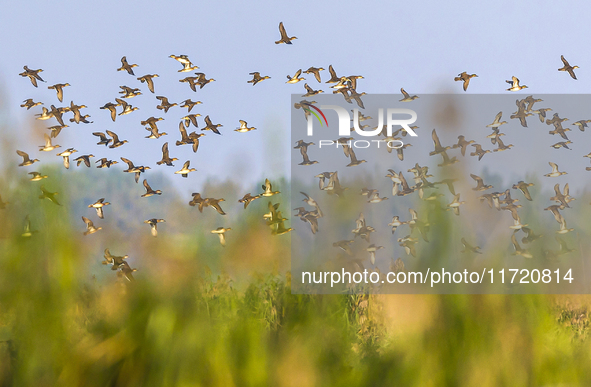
420	46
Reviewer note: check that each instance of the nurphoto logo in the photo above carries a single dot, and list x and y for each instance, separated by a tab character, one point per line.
345	119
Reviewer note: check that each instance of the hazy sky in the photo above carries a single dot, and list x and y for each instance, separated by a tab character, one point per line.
418	45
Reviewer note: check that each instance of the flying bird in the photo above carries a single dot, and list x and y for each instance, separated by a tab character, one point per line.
154	225
126	66
284	38
465	77
568	68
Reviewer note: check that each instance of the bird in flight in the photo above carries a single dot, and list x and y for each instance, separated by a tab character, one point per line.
568	68
284	38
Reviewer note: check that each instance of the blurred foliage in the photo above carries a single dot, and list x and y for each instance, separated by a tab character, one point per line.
202	315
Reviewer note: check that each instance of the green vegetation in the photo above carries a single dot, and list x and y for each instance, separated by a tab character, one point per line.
67	320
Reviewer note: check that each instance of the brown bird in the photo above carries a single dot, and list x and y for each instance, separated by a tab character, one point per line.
469	247
26	160
153	225
164	104
310	92
166	159
221	231
479	151
148	80
112	108
103	138
284	38
184	60
465	77
480	186
28	103
32	74
256	78
189	104
462	144
215	204
116	142
105	163
438	147
90	228
210	126
83	158
98	206
522	186
45	194
315	71
66	156
568	68
59	88
246	199
184	171
126	66
126	271
149	190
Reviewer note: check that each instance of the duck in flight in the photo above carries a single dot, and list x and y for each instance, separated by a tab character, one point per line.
45	194
127	108
90	228
303	147
296	78
66	156
184	60
148	79
149	190
310	92
36	176
98	206
28	103
268	188
165	105
26	160
116	142
244	127
221	231
515	86
555	172
166	159
27	231
112	108
246	199
256	78
188	104
83	158
316	71
568	68
184	171
468	247
465	77
284	38
126	66
154	225
407	97
32	74
210	126
105	163
133	169
59	88
48	145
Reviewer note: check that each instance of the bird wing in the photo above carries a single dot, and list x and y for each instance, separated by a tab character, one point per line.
282	31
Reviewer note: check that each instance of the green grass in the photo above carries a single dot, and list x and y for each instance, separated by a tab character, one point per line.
67	320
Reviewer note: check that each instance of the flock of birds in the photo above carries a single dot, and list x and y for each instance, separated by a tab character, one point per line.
110	139
426	189
328	181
